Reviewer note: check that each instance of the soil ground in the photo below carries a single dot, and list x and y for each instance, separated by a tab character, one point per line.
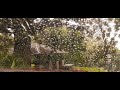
33	70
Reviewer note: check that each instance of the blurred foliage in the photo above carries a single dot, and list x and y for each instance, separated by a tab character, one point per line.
89	43
10	61
89	69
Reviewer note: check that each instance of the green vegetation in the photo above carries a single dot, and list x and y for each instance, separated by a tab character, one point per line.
89	69
90	45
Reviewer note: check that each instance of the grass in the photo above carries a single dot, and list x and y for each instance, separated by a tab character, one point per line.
88	69
11	62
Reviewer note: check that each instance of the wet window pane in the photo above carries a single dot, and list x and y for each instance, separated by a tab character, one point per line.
60	44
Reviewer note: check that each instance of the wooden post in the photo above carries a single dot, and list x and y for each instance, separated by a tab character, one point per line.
50	65
61	63
57	65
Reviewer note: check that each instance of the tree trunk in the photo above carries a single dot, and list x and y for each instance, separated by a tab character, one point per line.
105	53
22	46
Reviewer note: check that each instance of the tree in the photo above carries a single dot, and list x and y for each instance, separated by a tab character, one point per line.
21	28
60	34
